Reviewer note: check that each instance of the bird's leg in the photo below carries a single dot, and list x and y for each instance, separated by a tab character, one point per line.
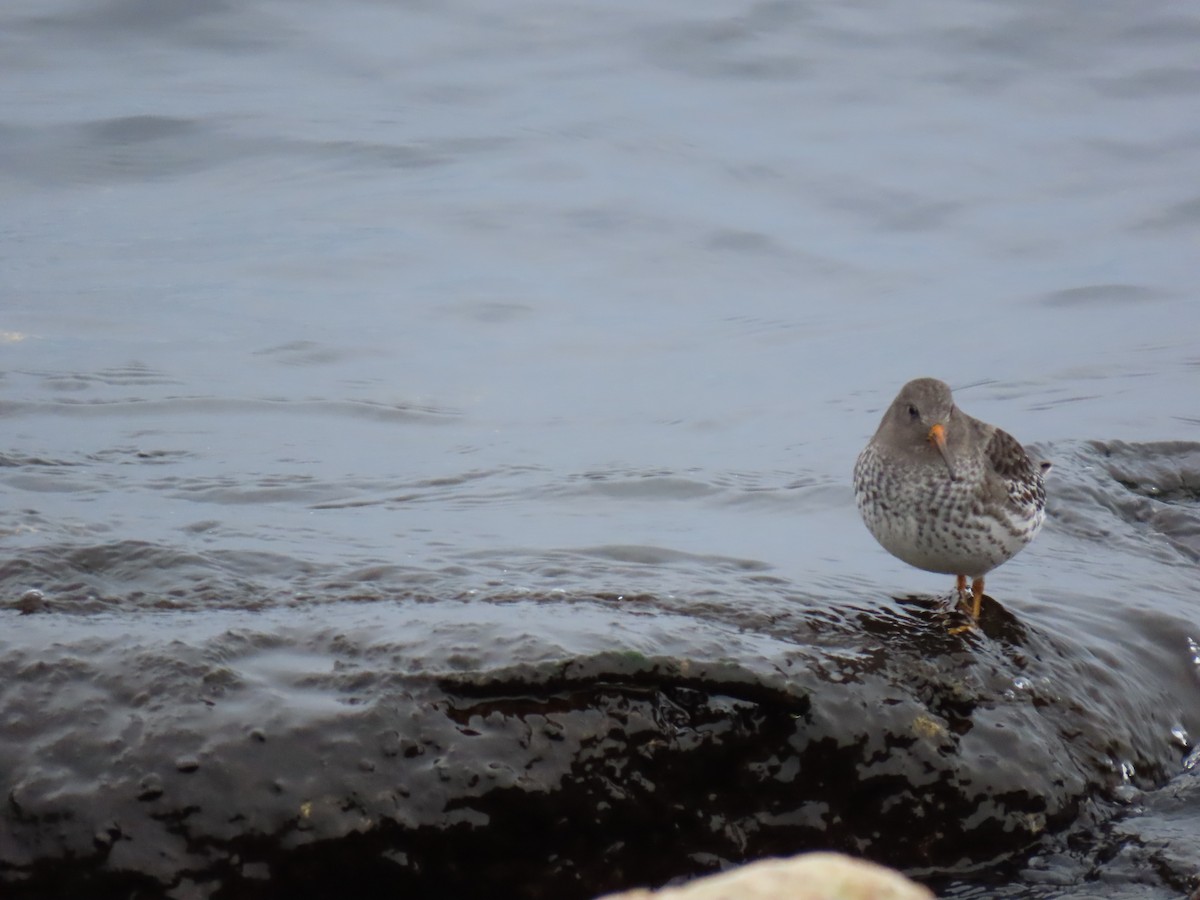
975	595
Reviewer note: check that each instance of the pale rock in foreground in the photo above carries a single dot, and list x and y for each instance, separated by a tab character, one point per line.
811	876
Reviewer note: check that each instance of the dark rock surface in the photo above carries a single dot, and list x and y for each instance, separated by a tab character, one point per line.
487	748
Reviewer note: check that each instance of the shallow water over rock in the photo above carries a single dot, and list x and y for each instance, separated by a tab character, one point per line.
517	743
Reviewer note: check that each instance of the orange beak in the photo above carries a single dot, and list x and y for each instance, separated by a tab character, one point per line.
937	437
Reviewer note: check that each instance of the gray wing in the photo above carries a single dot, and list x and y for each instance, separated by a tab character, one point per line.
1022	478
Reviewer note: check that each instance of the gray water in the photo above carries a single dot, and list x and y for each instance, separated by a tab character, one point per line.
308	302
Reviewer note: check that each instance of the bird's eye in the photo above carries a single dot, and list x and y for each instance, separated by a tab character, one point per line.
913	412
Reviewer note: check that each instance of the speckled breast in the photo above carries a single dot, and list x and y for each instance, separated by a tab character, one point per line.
923	517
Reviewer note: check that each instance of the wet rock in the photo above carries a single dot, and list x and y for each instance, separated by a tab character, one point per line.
30	602
812	876
1160	492
1157	834
543	769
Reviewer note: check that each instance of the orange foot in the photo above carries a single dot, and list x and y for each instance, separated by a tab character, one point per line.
976	597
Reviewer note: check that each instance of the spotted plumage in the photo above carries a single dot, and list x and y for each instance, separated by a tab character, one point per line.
946	492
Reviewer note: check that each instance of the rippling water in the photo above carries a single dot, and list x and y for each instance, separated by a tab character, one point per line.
307	303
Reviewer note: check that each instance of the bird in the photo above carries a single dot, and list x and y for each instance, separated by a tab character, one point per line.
947	493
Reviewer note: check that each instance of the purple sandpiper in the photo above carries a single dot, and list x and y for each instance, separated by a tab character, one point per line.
946	492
